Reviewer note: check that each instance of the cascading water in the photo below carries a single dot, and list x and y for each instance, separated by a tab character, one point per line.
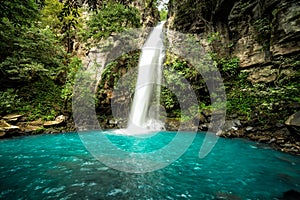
144	116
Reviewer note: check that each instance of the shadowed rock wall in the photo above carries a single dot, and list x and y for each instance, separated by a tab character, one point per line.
255	31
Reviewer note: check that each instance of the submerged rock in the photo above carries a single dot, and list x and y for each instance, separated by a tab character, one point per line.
227	196
291	195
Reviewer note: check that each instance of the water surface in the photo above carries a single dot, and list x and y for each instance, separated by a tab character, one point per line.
59	167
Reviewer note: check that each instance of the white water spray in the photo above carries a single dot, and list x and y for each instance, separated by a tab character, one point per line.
144	116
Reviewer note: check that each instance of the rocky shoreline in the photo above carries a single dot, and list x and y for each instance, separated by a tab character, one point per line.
282	137
14	125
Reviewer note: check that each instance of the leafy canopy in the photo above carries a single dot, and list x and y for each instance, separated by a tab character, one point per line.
111	18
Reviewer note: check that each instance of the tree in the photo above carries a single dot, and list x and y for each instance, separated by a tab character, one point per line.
49	15
69	17
111	18
18	12
26	52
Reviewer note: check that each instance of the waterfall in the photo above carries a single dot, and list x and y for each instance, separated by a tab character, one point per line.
144	113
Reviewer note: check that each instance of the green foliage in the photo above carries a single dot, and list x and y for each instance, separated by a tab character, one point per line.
266	103
28	53
18	12
49	15
215	36
180	75
229	66
9	101
40	103
69	16
111	18
169	100
67	91
33	100
163	15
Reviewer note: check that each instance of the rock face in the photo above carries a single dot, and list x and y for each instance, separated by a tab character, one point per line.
265	37
293	123
257	32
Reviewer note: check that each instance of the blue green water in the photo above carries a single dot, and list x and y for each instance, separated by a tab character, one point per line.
59	167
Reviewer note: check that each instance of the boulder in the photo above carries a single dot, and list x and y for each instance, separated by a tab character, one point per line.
60	118
58	121
30	128
231	125
293	123
38	122
4	124
12	117
7	128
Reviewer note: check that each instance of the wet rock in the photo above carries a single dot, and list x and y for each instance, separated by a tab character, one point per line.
58	121
172	124
291	195
113	122
203	127
232	125
234	116
293	123
2	132
264	139
231	133
227	196
12	128
272	140
51	131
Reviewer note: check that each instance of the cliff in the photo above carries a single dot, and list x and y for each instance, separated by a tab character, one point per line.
256	32
264	37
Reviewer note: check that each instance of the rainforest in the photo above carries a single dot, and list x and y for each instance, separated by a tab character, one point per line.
150	99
